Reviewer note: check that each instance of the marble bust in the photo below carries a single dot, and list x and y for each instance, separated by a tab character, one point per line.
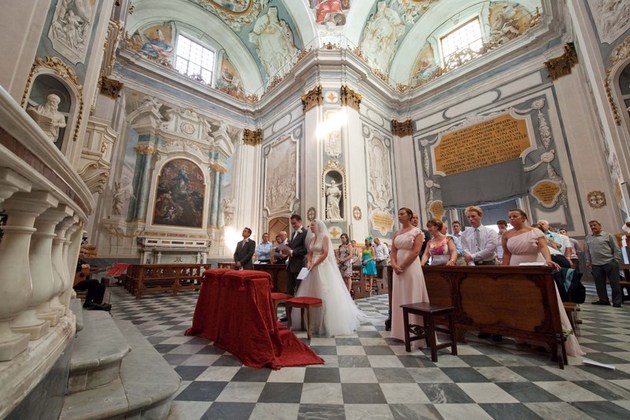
48	117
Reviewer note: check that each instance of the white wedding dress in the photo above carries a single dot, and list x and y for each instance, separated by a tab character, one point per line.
338	315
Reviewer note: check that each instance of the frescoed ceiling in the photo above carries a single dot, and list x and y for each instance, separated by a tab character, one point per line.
399	39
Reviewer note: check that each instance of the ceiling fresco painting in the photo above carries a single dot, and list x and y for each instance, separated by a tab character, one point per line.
398	39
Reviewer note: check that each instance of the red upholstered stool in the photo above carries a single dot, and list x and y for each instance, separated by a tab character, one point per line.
302	302
279	298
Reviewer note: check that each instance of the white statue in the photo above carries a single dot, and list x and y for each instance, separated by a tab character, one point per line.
48	117
333	196
228	211
274	43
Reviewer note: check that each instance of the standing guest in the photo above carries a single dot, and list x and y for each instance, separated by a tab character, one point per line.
263	250
245	251
575	249
502	225
344	255
368	262
602	258
479	242
415	221
440	249
525	244
408	281
381	253
296	252
276	256
457	238
355	249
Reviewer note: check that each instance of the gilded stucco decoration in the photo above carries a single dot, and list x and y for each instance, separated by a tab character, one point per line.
350	98
402	128
312	98
618	56
252	137
56	66
561	66
596	199
234	13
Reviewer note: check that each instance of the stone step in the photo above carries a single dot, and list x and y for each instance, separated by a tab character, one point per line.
97	354
144	389
77	309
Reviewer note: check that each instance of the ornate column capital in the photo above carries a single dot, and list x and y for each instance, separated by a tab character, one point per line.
145	149
402	128
350	98
252	137
312	98
561	66
110	87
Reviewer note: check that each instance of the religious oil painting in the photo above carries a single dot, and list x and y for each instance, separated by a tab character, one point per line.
180	195
155	42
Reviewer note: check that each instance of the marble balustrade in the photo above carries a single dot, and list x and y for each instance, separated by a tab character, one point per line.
47	205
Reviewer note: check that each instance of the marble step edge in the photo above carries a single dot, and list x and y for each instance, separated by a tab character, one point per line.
97	354
145	388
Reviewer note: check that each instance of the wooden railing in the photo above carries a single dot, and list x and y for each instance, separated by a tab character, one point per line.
159	278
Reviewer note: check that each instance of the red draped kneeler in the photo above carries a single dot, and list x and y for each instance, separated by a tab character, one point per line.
236	311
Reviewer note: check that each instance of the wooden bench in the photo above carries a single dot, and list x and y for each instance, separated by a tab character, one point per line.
517	302
160	278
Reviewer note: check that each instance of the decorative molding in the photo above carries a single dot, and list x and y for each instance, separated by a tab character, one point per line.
350	98
110	87
596	199
252	137
402	129
619	54
561	66
312	98
57	67
115	31
95	175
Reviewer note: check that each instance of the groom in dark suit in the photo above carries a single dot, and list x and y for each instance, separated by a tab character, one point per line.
297	253
245	251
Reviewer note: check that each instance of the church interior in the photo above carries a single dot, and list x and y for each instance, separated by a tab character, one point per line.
151	132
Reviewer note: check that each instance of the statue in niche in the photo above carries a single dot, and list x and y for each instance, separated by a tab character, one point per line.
274	43
121	193
380	36
333	198
228	212
48	117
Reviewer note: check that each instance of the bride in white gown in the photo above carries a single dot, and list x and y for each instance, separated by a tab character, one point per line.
338	315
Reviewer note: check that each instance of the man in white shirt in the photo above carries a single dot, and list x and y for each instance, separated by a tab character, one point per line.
263	250
479	242
381	254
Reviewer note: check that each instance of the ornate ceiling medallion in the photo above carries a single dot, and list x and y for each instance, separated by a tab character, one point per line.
234	13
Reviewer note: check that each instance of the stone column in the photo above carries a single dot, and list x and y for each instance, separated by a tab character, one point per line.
31	205
14	290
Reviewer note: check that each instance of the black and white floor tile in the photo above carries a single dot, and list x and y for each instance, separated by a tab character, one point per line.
369	375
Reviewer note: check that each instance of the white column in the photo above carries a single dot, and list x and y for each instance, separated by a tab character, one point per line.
13	290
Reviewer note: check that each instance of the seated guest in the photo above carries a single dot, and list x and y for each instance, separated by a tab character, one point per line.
95	290
263	250
440	249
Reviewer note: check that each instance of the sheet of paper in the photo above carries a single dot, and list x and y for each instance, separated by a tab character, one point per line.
303	273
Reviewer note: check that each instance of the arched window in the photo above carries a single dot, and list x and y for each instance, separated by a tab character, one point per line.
194	60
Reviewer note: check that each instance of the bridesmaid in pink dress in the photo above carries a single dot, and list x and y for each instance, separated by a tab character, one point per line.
408	283
525	244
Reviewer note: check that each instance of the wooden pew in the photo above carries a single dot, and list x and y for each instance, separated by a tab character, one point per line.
517	302
160	278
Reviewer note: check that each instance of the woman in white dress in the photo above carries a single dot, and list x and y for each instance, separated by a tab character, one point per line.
339	315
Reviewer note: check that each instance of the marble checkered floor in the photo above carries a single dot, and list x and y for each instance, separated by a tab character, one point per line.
369	375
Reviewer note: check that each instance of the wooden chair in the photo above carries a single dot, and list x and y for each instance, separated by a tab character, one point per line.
302	302
279	298
428	330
